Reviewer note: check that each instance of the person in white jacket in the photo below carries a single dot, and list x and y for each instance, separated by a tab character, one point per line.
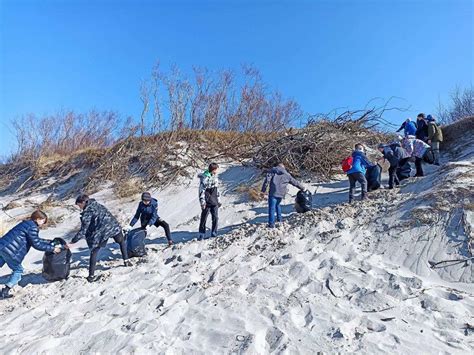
209	199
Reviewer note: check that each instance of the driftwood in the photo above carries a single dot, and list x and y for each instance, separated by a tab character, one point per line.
320	147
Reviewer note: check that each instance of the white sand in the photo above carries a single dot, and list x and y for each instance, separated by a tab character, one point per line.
339	279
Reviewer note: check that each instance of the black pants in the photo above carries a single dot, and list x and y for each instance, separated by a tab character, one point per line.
215	218
360	178
392	176
160	223
419	167
94	253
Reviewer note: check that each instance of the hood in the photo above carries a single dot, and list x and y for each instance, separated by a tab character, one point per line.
357	153
278	170
205	174
89	203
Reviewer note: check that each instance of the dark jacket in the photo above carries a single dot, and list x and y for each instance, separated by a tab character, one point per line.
148	214
18	241
409	128
278	179
393	153
422	130
389	156
97	225
359	163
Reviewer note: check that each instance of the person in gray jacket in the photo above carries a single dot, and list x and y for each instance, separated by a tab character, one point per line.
278	179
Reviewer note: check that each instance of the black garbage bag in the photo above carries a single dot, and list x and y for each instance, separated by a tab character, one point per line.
404	171
428	157
303	201
374	177
136	243
57	266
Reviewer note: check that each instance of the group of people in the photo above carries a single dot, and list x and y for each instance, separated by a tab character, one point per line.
98	225
421	142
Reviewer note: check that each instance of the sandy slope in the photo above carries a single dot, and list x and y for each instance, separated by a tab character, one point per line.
339	279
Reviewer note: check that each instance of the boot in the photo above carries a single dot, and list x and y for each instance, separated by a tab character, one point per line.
5	293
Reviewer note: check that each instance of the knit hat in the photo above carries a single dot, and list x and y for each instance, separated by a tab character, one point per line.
146	196
430	118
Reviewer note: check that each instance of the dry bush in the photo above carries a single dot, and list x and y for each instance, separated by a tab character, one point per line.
11	205
321	146
461	105
225	100
459	130
63	133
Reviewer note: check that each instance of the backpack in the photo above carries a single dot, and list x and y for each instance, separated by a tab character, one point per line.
57	266
136	243
347	164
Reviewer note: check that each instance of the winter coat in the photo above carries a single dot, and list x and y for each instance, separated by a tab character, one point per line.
399	151
359	163
415	147
409	128
393	153
422	130
434	132
148	214
208	189
278	179
390	156
97	225
18	241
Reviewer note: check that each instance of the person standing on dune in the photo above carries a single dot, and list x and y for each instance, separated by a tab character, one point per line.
209	199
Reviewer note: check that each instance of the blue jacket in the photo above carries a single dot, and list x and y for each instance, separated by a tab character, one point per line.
18	241
408	128
148	214
359	163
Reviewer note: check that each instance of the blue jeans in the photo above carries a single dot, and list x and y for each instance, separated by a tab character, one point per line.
17	269
274	208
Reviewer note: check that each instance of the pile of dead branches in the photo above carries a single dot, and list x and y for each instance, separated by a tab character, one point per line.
155	161
319	148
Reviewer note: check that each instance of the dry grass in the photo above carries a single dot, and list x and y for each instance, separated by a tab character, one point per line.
138	163
252	193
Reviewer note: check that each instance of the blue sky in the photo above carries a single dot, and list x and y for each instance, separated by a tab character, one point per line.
325	54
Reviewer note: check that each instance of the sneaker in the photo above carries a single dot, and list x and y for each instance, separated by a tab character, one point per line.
271	226
127	263
92	278
5	293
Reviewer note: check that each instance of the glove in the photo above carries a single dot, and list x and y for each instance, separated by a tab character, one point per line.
203	207
219	204
127	229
